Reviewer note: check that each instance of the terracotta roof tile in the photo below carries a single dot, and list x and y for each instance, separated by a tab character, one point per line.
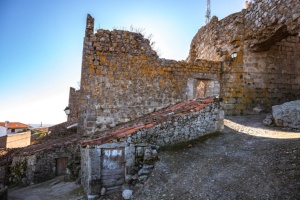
48	144
15	125
147	121
122	130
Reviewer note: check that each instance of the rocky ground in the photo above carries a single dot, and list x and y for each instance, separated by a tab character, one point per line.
246	161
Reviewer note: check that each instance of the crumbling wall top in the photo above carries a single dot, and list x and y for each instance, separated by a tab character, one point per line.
89	30
258	27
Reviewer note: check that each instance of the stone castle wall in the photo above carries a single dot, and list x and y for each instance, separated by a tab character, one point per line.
123	79
266	71
268	22
258	28
273	75
218	39
73	105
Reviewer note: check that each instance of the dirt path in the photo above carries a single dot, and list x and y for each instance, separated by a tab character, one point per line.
246	161
55	189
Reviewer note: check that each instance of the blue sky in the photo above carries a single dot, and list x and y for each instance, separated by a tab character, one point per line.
41	45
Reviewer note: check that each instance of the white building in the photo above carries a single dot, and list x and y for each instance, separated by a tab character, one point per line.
11	128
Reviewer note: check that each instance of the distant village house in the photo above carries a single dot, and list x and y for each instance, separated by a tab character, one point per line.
14	135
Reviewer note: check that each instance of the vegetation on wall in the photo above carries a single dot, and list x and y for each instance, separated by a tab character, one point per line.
18	171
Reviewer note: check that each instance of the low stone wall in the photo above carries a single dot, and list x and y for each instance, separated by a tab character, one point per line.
185	128
41	166
141	147
58	127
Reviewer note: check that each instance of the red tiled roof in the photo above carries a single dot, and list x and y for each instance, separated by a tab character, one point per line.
121	130
15	125
48	144
177	110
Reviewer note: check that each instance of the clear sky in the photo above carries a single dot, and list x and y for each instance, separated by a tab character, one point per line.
41	45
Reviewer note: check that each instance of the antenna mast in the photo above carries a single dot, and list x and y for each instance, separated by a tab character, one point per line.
207	16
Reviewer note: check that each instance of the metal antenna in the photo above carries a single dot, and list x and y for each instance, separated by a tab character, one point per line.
207	16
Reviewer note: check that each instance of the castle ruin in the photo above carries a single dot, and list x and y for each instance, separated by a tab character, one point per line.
247	60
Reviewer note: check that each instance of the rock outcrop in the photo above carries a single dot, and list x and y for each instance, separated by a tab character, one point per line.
287	114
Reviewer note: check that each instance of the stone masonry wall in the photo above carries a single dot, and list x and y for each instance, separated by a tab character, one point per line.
262	79
266	70
41	166
273	75
218	39
123	79
268	22
73	105
141	147
259	27
58	128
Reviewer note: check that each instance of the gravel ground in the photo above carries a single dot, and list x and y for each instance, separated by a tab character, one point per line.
245	161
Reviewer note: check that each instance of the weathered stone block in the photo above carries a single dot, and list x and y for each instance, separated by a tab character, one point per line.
287	114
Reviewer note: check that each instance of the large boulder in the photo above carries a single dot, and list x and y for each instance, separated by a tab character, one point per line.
287	114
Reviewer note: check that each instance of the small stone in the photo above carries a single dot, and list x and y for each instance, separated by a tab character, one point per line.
127	194
128	178
258	109
145	166
144	171
103	191
135	177
139	151
25	181
268	120
295	16
143	179
154	153
147	154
